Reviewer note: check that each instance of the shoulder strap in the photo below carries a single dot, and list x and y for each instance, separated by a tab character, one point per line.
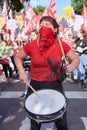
61	46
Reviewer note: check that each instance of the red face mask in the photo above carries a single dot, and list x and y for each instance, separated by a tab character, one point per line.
46	38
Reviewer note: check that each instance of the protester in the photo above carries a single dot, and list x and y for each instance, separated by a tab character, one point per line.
6	61
70	40
42	77
14	50
34	34
81	50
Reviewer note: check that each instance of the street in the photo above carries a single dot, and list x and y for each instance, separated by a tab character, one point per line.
13	116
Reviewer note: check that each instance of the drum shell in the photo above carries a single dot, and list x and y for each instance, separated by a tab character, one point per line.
46	117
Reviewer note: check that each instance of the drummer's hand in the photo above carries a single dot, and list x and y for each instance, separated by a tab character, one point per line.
23	77
69	67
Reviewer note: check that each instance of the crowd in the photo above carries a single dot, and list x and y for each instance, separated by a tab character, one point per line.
78	45
8	49
45	53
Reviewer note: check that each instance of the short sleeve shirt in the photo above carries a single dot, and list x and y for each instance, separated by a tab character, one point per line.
40	69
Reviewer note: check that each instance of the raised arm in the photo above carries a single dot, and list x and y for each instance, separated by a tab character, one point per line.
74	61
18	59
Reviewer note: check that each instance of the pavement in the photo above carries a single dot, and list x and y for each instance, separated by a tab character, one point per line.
2	78
68	84
11	92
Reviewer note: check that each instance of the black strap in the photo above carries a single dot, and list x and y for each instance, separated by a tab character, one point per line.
54	69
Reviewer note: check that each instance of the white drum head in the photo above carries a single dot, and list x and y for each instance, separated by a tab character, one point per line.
48	102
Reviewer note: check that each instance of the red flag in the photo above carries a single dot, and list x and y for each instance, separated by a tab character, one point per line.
84	13
4	11
28	18
52	8
29	13
73	14
6	33
84	27
84	10
36	20
46	12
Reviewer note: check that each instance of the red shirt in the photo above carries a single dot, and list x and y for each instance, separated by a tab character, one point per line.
40	69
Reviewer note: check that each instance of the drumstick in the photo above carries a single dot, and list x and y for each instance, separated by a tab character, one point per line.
33	89
60	43
62	50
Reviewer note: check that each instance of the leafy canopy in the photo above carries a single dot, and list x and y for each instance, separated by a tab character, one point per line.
77	5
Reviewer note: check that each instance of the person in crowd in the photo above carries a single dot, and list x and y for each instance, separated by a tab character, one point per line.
15	49
33	36
70	40
81	50
42	76
7	62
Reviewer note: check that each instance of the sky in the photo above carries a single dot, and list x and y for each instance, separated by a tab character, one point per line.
60	4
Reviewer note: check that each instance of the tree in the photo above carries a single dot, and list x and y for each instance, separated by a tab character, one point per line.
77	5
17	5
14	5
38	9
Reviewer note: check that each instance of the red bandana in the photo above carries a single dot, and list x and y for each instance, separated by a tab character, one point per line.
46	38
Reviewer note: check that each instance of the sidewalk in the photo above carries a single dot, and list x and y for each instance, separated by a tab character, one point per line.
2	78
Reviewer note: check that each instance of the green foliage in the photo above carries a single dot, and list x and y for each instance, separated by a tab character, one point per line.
38	9
5	50
78	4
15	5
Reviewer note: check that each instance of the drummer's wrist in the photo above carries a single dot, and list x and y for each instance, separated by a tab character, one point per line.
21	72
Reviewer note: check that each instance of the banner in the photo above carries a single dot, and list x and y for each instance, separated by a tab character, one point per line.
2	22
19	19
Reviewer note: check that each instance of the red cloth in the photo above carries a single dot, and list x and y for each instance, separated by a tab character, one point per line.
5	61
46	38
84	10
40	70
0	71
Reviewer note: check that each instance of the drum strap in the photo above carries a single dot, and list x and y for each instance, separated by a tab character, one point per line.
62	75
59	76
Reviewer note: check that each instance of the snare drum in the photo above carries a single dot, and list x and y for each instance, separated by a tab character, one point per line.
50	105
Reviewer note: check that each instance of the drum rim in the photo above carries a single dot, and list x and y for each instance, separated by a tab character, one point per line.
25	105
47	114
43	118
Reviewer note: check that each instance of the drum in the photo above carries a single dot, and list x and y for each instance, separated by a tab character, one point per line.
49	106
